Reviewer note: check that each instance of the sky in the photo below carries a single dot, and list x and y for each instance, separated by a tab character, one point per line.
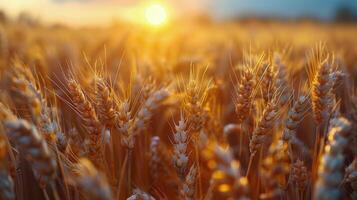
101	11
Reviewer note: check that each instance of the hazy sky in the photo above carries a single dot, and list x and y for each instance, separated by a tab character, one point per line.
98	11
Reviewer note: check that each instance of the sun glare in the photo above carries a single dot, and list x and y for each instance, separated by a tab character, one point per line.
155	14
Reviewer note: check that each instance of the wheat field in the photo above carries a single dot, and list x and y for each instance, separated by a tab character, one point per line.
196	111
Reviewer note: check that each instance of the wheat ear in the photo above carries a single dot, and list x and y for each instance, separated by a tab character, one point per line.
180	157
146	111
243	99
261	133
105	103
295	116
321	94
92	182
282	83
34	148
332	161
90	121
194	100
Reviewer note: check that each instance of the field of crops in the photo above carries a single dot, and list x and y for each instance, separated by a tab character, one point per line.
193	111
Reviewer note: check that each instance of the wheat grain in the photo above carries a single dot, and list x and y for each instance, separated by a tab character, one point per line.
299	174
188	187
351	177
140	195
154	157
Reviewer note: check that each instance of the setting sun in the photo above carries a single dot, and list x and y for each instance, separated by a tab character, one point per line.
155	14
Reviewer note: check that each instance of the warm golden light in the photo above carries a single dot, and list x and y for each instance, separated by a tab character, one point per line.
224	188
155	14
218	175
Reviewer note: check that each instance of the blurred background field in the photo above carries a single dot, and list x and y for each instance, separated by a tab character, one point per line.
120	99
